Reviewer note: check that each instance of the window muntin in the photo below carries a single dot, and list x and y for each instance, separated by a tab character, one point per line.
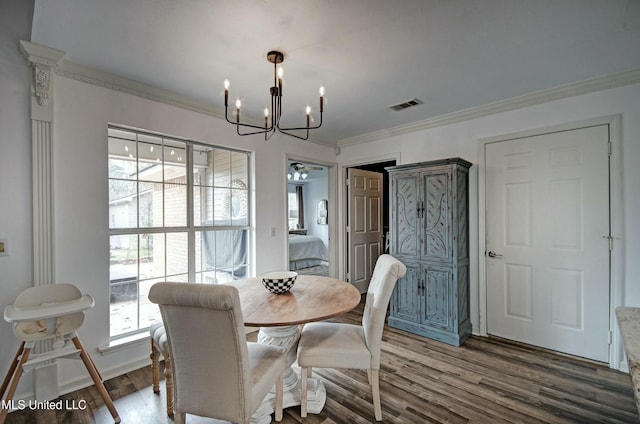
155	184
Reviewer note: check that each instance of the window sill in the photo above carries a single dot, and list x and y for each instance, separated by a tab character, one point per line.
124	343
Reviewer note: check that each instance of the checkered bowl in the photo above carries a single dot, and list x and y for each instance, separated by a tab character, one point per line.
278	282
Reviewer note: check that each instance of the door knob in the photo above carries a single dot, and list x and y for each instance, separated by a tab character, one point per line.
493	254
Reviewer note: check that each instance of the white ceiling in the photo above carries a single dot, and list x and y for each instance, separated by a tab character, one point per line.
368	54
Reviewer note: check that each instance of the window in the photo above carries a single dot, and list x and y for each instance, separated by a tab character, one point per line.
296	207
293	211
178	211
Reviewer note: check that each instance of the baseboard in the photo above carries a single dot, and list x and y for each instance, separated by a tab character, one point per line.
85	380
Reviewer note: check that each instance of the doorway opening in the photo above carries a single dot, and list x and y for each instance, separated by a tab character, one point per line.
308	217
366	218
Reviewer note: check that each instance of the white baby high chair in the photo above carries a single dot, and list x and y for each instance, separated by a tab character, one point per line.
55	312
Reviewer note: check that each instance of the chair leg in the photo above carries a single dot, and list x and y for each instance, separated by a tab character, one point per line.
168	377
375	392
12	369
97	379
279	397
14	380
304	375
155	367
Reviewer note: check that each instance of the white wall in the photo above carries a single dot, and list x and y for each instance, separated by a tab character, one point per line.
82	112
15	167
461	140
81	115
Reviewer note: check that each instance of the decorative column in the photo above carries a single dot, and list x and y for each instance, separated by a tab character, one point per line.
43	62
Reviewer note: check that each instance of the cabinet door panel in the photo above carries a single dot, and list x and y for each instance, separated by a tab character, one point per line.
404	210
437	299
405	301
437	216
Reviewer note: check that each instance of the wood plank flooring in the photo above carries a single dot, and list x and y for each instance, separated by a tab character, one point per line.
487	380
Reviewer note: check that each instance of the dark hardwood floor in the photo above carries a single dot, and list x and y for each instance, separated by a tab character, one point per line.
487	380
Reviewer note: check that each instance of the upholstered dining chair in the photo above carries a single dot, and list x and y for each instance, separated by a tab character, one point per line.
337	345
216	372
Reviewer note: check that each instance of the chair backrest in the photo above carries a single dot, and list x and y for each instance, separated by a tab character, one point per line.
208	347
385	274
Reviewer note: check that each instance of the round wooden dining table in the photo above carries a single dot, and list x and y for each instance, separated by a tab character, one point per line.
279	316
312	298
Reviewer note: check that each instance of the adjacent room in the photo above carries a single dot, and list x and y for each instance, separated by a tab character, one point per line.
413	211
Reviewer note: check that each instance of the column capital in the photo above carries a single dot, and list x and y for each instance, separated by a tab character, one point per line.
44	61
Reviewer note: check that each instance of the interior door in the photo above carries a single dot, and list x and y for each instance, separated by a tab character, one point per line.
547	247
364	226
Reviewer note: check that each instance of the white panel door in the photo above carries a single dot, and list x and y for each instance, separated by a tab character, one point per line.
364	229
547	223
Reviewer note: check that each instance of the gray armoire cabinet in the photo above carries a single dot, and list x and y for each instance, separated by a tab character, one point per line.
429	226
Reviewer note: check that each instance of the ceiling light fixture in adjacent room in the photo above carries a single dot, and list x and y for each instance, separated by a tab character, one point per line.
272	117
297	176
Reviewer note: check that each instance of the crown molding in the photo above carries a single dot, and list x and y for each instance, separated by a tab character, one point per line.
513	103
113	82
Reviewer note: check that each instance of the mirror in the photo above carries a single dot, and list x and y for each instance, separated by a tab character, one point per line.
322	212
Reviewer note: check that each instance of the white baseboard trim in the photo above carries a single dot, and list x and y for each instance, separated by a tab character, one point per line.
85	380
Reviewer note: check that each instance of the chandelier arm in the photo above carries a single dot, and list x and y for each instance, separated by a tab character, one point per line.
301	128
267	136
294	135
250	133
240	124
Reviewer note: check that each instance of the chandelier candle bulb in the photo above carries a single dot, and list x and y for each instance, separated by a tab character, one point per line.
226	92
321	99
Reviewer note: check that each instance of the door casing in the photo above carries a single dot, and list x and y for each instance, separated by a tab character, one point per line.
342	190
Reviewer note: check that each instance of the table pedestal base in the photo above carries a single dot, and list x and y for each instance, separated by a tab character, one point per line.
316	394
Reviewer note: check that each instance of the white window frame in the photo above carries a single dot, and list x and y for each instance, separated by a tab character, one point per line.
191	229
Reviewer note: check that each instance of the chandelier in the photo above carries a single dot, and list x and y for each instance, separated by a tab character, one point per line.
272	117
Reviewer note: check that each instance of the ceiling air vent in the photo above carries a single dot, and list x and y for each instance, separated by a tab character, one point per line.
404	105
